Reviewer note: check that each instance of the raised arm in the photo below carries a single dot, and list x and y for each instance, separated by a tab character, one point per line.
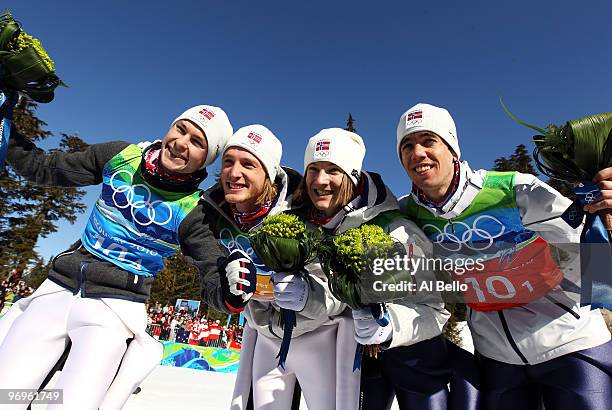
60	168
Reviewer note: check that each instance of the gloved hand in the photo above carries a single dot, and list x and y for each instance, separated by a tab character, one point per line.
367	331
238	283
290	290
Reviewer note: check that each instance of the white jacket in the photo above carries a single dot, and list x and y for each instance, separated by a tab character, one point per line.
547	328
413	320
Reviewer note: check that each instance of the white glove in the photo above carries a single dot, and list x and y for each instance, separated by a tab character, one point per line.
290	290
367	331
240	273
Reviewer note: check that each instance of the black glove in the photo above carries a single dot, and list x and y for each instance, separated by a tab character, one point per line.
239	279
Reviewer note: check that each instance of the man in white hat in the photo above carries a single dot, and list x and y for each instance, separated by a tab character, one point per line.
533	342
95	294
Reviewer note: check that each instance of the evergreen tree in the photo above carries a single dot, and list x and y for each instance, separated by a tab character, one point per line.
28	211
38	273
213	314
349	124
181	280
519	161
178	280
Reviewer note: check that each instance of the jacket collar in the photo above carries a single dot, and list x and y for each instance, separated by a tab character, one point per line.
375	199
470	183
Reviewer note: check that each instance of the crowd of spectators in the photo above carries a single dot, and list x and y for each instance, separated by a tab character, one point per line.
185	326
12	289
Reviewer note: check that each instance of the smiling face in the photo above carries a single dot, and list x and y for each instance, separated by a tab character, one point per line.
184	148
243	178
429	163
325	184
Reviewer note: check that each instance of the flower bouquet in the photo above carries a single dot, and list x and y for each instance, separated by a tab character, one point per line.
347	261
576	152
25	67
285	245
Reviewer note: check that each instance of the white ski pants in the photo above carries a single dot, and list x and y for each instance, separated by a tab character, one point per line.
35	334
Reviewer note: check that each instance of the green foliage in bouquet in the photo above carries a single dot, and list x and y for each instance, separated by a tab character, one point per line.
283	226
351	247
25	66
23	41
575	151
350	255
284	244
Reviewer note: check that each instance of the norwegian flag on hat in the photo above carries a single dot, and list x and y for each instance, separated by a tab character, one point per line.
323	145
253	136
414	118
322	149
414	115
206	113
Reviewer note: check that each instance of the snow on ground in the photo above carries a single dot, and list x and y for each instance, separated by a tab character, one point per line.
170	387
186	389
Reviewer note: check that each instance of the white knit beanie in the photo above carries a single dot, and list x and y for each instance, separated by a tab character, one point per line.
214	123
425	117
262	143
343	148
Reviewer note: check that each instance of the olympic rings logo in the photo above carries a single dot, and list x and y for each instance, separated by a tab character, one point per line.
239	242
448	240
130	193
589	197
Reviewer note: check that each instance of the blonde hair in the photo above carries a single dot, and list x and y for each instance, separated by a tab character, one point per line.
268	193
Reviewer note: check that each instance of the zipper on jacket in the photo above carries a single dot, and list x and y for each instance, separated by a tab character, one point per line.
562	306
81	287
502	318
66	252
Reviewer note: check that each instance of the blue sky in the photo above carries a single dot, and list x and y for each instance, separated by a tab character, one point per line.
298	67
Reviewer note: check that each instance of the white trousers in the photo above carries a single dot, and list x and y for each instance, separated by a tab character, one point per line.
321	360
33	337
142	356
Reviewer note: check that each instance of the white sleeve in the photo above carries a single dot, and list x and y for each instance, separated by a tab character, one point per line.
416	322
422	316
540	207
321	301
